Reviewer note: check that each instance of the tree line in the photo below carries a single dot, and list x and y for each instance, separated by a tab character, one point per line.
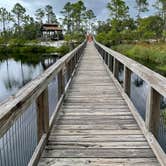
121	27
17	24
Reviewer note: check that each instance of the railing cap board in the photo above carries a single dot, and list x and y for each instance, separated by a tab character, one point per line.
16	104
154	79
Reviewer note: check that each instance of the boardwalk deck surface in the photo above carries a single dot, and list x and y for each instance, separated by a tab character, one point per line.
96	126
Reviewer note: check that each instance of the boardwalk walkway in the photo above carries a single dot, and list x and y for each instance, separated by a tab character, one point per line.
96	126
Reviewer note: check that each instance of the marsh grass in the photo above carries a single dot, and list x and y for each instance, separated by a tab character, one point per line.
24	49
150	55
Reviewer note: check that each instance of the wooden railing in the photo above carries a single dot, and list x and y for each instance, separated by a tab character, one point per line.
157	88
36	91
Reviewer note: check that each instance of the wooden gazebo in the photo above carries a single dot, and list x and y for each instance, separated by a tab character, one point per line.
51	32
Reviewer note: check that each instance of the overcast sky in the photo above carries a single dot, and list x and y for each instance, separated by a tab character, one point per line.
98	6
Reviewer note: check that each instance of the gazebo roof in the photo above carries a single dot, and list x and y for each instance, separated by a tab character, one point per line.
50	27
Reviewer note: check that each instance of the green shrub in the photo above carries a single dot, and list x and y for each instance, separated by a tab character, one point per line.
64	49
151	55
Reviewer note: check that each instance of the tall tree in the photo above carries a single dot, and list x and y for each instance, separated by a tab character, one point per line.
40	13
118	9
19	11
90	16
51	17
67	9
3	17
78	10
142	6
162	9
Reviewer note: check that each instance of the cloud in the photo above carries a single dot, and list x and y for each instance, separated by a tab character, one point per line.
98	6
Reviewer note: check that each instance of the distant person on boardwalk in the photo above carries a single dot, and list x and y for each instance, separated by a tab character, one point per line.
89	38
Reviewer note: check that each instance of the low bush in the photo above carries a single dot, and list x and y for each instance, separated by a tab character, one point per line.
151	55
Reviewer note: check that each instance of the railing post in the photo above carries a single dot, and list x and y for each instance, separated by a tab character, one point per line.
109	61
42	114
69	70
106	58
153	111
75	58
127	80
104	54
116	68
61	83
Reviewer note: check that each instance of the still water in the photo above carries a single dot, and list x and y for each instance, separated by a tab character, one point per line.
15	74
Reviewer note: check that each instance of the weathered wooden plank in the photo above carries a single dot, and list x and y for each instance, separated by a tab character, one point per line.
94	106
99	153
98	127
95	122
89	113
97	117
91	138
94	100
85	132
98	161
92	145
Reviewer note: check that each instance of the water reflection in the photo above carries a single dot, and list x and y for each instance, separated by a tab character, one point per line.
15	72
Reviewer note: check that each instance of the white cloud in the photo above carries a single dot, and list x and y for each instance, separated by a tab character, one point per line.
98	6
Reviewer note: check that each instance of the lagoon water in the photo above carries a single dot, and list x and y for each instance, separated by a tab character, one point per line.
15	74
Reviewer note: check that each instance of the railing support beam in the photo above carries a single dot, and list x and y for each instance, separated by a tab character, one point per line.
127	80
116	68
69	70
153	111
42	114
61	83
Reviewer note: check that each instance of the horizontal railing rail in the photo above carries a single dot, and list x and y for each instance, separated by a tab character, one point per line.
157	88
36	91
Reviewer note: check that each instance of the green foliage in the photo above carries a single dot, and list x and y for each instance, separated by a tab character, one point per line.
21	48
19	11
103	27
109	38
77	18
103	38
40	13
151	55
51	17
118	9
64	49
75	36
142	6
150	27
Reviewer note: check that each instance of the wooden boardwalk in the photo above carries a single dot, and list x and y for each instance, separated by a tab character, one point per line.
95	125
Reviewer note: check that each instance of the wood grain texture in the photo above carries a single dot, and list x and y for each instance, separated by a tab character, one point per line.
95	126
